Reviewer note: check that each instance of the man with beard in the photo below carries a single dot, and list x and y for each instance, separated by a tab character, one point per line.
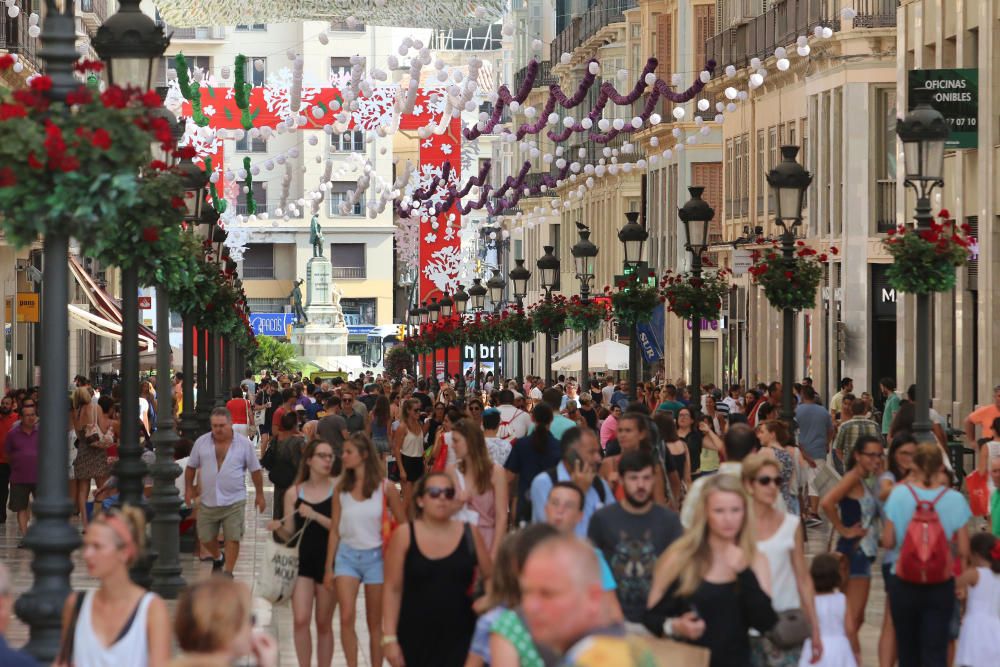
633	533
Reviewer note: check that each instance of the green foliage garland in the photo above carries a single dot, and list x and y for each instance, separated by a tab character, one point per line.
549	317
582	316
693	297
632	302
248	182
925	260
517	327
191	90
241	91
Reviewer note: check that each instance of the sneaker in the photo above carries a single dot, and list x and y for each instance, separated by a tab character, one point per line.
813	521
218	564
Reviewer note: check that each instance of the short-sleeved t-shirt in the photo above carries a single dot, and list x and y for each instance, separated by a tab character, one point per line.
984	416
226	485
526	463
891	408
815	426
330	429
953	511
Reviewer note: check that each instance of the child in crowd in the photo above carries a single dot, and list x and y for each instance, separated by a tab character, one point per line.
841	647
979	586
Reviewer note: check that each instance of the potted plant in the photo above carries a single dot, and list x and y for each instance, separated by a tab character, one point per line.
587	316
925	260
695	298
632	301
549	316
790	283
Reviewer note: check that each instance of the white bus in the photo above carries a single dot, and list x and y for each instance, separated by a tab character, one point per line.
379	341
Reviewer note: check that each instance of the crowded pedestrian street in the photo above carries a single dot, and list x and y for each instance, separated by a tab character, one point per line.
528	333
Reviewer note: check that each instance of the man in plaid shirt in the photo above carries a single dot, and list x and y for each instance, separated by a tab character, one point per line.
850	431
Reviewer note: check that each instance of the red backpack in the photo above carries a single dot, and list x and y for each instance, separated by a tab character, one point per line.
925	557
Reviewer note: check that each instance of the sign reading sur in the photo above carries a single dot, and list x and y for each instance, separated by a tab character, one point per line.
955	94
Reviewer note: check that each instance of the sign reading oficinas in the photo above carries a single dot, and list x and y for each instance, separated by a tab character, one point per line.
954	93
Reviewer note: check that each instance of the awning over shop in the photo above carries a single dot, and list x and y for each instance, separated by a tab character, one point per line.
107	320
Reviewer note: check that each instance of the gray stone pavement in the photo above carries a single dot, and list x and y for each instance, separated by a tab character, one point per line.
280	621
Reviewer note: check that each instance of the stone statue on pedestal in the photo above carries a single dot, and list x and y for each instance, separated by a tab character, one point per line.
296	298
316	236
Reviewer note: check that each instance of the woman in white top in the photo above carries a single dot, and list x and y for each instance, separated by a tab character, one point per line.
779	537
120	623
362	499
407	447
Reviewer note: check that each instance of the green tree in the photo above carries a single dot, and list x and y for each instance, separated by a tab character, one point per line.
274	355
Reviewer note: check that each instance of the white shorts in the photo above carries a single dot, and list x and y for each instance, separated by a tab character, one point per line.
242	429
811	473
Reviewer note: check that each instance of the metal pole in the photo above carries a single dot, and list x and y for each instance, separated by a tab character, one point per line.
204	395
520	352
166	500
446	363
788	344
548	346
219	371
585	338
50	536
211	373
130	470
633	361
922	419
478	383
188	421
696	342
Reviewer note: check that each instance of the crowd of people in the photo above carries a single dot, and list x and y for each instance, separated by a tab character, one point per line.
525	525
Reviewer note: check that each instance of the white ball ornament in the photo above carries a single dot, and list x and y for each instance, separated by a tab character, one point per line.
603	124
705	76
258	65
569	121
650	79
848	13
818	31
756	80
783	64
323	38
536	45
676	132
678	113
730	71
755	63
586	123
705	130
34	31
731	93
703	105
780	52
553	118
594	68
33	19
803	51
508	29
801	40
654	141
827	32
565	58
637	122
742	95
719	118
18	67
618	123
654	159
13	11
731	107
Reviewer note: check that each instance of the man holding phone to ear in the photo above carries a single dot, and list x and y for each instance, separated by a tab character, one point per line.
581	457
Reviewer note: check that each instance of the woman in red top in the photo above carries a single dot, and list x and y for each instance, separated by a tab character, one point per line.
240	410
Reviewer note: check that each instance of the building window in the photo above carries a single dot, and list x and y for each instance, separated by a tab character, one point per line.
340	192
248	145
194	63
259	198
348	261
340	71
342	26
258	262
349	141
730	185
251	27
252	75
360	311
265	305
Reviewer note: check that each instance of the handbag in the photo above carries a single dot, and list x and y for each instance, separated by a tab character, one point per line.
791	630
252	430
279	570
389	522
91	436
979	493
672	652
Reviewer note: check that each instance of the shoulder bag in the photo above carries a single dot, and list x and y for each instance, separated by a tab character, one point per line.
281	566
252	430
791	630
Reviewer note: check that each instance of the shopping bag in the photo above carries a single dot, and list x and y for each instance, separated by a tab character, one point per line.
979	493
278	571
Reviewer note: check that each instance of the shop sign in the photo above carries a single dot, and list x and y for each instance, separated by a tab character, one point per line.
145	303
742	261
27	307
272	324
955	94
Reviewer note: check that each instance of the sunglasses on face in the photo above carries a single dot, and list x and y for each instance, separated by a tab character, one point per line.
873	455
475	408
438	491
767	480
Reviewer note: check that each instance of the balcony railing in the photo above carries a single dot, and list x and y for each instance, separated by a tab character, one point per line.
778	26
543	79
200	32
885	205
258	272
875	13
533	180
14	35
349	272
99	8
601	13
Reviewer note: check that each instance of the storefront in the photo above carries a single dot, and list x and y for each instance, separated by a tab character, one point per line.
882	332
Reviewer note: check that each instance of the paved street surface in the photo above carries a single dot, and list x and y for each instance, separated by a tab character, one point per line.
281	619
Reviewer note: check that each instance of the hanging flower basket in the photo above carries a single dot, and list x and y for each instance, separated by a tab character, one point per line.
517	326
474	330
582	316
790	283
397	360
693	297
632	301
549	317
925	261
73	167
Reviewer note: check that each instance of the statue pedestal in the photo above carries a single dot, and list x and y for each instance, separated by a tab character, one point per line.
323	339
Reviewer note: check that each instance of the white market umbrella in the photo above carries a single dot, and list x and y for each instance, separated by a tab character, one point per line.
607	355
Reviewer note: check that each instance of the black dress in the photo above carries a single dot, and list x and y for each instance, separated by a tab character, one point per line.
436	620
729	611
313	543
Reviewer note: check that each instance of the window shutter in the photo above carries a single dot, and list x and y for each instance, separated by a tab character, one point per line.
704	29
665	45
972	268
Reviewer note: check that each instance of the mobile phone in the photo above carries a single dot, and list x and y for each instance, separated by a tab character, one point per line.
571	460
694	610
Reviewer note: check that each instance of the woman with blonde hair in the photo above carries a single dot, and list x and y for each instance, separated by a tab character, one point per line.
96	433
214	627
711	586
120	623
408	448
481	484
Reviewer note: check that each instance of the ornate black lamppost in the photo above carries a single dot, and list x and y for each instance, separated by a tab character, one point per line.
131	43
477	295
519	277
923	132
548	274
413	319
50	537
633	237
696	214
424	316
789	181
584	251
461	299
433	315
496	285
446	305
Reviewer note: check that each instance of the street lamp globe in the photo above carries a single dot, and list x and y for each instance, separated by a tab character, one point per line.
584	251
923	132
434	310
423	313
790	182
548	267
413	316
461	299
696	215
633	236
446	306
496	285
478	294
519	277
195	182
131	43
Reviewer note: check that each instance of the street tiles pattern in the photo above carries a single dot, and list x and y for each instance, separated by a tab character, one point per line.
279	620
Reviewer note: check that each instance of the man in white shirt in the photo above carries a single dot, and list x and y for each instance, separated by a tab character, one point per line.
536	392
222	459
514	423
607	391
733	400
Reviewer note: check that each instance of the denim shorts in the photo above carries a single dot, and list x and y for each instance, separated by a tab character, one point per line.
859	565
365	565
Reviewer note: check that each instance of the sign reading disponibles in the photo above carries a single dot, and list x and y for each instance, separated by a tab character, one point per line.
145	302
954	93
742	261
27	307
